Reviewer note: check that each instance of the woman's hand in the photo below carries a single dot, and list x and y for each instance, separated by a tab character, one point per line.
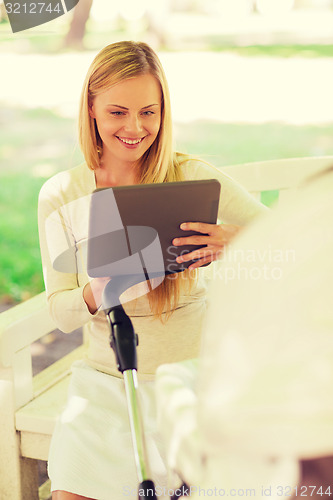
215	237
92	293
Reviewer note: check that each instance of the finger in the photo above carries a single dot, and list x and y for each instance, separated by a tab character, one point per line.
200	263
200	227
196	239
211	252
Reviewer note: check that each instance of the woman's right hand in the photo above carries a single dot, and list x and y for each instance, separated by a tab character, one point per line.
92	293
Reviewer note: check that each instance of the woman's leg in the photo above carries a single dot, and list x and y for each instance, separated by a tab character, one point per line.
64	495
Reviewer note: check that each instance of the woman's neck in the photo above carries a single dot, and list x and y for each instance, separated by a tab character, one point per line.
115	174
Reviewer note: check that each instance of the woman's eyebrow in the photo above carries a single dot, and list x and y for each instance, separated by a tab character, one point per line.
117	106
149	106
123	107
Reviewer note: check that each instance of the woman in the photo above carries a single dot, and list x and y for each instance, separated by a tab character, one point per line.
126	137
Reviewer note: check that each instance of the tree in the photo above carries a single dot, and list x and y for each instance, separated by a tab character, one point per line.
74	37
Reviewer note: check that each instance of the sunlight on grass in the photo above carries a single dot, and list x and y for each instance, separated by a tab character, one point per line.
19	251
226	144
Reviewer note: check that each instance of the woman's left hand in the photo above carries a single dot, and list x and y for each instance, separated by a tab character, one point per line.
215	237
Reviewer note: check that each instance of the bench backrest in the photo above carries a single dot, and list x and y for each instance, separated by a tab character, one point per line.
275	180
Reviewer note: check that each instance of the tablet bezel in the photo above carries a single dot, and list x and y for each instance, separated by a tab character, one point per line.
163	207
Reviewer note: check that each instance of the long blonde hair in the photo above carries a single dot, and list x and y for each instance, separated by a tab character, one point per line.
113	64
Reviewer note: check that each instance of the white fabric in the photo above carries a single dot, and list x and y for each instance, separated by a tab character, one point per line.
91	452
262	397
176	401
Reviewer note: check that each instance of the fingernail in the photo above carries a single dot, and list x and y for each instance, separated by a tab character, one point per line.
183	226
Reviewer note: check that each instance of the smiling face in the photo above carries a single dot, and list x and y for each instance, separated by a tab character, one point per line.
128	118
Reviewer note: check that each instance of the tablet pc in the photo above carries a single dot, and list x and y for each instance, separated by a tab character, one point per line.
132	227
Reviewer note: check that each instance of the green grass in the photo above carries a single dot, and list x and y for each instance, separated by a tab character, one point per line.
37	143
281	50
37	139
34	145
227	144
20	264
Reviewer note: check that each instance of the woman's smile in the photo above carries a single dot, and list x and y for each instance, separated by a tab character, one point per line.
130	143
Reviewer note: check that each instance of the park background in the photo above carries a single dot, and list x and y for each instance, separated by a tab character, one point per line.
249	80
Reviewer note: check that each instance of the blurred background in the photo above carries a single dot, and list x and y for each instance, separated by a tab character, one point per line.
249	79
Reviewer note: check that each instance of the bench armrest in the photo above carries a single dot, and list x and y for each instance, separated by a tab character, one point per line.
22	325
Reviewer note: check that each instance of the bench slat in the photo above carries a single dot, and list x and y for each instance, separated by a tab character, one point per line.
58	370
22	325
277	174
35	446
40	414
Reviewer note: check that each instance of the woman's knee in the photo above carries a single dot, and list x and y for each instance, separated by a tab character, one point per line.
65	495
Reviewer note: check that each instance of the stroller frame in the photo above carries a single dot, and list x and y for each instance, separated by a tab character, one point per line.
123	341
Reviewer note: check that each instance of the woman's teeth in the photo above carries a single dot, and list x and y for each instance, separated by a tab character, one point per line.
131	141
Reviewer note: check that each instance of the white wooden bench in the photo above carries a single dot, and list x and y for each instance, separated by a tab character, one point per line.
280	176
30	405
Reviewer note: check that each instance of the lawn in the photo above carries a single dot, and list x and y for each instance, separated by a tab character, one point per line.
38	143
34	145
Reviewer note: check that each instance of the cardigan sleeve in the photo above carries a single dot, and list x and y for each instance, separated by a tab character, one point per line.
59	252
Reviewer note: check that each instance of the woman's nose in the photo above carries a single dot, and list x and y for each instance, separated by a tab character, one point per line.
133	124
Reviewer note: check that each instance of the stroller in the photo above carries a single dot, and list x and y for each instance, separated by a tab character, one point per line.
259	400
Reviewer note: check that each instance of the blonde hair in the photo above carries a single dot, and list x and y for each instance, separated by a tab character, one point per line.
113	64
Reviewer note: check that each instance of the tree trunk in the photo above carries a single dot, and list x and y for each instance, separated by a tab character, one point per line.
74	37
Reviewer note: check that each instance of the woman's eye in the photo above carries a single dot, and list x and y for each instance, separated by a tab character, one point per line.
116	113
148	113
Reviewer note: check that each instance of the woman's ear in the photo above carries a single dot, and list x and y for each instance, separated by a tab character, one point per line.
91	110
